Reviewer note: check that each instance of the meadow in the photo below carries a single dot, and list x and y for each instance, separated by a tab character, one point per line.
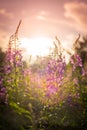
49	94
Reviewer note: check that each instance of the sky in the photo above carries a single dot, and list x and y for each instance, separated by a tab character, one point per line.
46	18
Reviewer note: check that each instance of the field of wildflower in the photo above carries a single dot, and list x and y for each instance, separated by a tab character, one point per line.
48	95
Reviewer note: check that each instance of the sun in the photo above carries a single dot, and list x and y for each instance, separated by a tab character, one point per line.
36	46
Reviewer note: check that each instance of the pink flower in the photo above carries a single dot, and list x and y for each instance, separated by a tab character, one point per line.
75	81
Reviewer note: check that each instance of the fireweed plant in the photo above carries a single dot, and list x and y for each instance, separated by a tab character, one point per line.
14	73
55	73
13	70
79	78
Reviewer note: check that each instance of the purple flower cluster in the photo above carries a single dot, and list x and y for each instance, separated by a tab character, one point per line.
17	57
51	89
13	60
55	74
76	61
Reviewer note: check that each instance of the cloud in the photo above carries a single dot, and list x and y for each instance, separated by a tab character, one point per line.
42	15
6	14
5	19
77	11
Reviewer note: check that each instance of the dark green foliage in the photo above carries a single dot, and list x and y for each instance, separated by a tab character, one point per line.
2	58
13	117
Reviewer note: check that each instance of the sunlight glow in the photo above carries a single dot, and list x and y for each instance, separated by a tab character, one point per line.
37	46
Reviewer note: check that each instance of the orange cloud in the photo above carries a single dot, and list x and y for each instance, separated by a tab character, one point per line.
77	11
42	15
4	13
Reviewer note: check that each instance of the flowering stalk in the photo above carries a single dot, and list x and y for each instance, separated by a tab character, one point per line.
13	65
80	74
55	70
